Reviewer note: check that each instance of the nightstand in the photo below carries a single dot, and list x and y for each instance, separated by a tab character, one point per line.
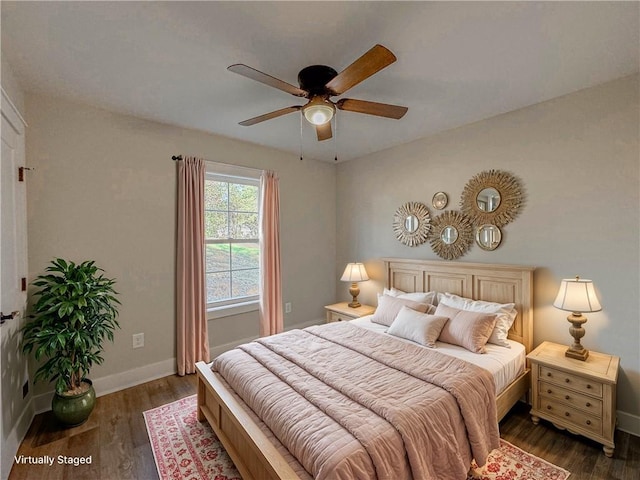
574	394
340	312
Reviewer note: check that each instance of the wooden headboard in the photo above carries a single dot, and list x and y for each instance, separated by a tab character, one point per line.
481	281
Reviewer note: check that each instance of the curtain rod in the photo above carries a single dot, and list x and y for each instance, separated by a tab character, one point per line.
249	170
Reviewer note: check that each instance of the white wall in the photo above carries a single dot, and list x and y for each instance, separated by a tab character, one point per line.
104	188
577	157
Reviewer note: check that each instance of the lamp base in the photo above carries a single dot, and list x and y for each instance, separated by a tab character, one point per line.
577	354
354	291
576	350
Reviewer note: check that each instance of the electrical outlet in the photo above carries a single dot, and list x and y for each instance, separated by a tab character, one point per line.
138	340
287	307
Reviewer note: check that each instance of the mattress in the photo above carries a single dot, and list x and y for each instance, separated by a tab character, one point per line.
504	364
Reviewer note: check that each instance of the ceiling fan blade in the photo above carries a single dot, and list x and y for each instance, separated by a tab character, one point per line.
324	131
270	115
371	62
261	77
372	108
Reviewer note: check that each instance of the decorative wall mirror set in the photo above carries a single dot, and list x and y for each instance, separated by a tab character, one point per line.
490	200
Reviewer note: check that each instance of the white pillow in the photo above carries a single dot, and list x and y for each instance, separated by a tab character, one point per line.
418	327
505	314
420	297
389	307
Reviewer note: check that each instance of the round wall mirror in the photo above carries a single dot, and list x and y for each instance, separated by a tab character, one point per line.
449	234
492	197
488	237
439	200
452	234
412	223
488	199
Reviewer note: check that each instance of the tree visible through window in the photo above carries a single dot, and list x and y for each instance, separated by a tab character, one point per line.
231	239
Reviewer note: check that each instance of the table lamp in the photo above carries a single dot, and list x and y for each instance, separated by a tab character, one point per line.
354	273
577	295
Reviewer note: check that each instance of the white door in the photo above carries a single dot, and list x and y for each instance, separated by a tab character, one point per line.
13	268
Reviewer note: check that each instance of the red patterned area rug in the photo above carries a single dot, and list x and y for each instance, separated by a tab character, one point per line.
185	449
510	463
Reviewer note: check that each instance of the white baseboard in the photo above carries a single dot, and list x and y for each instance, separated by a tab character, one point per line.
627	422
214	351
14	438
220	349
118	381
307	324
146	373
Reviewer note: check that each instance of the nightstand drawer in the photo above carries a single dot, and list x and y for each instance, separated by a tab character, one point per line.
568	380
590	405
338	317
567	415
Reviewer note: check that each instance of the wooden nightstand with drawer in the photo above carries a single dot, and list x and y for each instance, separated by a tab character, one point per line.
574	394
340	312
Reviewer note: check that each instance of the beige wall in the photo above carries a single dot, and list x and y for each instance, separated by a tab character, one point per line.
577	157
104	188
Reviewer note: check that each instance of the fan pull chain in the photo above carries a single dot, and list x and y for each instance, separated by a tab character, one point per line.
301	157
335	137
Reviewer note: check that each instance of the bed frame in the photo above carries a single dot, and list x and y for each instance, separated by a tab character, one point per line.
250	449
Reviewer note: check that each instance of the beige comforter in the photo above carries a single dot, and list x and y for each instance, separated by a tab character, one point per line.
350	403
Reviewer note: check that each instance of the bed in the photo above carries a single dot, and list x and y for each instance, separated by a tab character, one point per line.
255	451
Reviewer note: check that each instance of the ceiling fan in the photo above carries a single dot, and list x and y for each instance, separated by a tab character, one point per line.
319	83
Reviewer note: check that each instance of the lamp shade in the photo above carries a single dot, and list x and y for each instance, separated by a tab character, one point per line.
577	295
354	272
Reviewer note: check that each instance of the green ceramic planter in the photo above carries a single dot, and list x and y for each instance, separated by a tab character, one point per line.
74	410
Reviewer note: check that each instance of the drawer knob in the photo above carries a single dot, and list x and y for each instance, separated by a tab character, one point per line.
567	397
548	407
548	374
567	381
548	390
588	404
567	414
588	385
588	422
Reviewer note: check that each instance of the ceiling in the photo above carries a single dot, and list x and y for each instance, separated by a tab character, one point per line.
458	62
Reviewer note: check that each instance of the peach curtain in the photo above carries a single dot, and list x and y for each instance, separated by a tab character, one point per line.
191	318
271	320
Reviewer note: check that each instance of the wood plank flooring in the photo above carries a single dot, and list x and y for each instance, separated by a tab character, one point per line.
115	436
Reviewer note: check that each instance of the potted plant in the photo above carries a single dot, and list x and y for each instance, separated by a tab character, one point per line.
75	310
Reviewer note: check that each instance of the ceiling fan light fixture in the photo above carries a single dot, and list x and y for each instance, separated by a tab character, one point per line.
318	111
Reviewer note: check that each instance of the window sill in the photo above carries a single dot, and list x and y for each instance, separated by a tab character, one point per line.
229	310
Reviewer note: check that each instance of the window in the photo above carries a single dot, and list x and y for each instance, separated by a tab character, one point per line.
232	256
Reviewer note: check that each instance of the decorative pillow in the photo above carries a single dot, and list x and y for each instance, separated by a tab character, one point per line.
420	297
418	327
505	314
388	308
470	330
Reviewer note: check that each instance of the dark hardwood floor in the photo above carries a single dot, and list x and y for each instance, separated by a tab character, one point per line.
115	436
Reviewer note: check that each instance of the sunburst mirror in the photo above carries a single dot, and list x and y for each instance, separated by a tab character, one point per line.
412	223
451	234
492	197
